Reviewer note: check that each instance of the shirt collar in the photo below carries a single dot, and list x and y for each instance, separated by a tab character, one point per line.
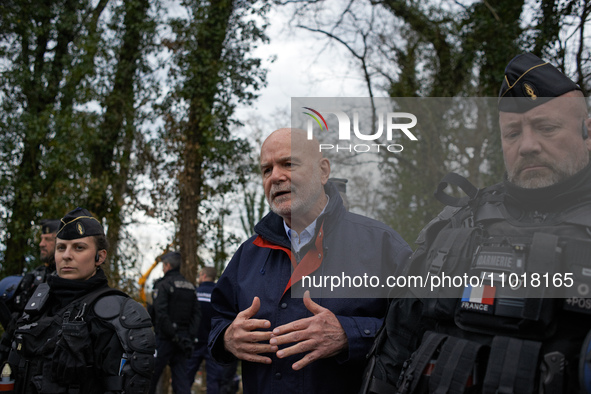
306	233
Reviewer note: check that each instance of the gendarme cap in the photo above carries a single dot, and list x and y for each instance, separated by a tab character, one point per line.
529	82
79	223
49	226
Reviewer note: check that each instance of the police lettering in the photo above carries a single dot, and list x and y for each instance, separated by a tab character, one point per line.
494	260
183	284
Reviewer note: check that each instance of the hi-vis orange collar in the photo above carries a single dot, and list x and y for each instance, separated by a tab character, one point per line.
310	263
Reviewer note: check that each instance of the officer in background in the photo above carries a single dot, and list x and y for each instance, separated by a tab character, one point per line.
31	280
76	334
177	317
220	378
20	288
494	338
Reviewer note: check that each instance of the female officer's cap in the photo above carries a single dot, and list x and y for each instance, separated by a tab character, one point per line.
79	223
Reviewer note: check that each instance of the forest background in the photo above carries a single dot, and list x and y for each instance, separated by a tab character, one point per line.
138	110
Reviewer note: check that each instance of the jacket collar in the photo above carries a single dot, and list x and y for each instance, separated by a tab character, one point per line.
172	272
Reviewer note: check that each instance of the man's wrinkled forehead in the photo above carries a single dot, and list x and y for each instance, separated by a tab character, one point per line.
556	110
303	147
291	143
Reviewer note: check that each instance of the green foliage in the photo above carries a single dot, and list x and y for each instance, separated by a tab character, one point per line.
41	53
68	93
467	49
211	72
79	96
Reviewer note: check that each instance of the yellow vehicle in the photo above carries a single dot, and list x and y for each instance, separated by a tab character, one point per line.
142	280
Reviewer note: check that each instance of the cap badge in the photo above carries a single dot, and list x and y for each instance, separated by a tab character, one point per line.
529	90
80	228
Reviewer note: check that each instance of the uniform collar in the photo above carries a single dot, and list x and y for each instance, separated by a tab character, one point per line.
554	198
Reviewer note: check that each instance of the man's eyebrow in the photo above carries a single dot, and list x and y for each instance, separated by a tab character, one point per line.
545	119
280	160
513	123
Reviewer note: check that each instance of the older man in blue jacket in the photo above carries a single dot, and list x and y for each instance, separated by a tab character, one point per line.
287	343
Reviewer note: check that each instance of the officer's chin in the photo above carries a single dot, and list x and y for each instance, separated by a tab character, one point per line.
535	178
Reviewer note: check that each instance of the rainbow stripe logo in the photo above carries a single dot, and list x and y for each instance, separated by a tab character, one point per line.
315	118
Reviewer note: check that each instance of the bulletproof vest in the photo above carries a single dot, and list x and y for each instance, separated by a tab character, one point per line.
523	267
28	284
181	299
523	329
39	335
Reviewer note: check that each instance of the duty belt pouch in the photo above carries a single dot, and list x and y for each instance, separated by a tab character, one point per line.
458	367
414	378
512	366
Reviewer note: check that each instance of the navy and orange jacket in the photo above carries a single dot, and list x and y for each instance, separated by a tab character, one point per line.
262	267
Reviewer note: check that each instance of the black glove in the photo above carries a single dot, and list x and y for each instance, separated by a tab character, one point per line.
185	345
73	354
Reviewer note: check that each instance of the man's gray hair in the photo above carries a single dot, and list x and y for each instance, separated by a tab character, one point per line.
172	258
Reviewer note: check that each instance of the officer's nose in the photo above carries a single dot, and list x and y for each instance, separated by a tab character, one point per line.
529	144
67	253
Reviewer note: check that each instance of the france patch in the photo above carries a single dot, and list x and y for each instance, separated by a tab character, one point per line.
479	294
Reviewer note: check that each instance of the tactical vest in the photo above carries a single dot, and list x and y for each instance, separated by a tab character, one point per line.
508	335
40	339
181	300
28	284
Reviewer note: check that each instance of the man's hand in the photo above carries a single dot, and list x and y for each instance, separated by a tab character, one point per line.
242	340
322	335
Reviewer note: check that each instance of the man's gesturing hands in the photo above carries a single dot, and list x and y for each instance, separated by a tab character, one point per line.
321	335
243	342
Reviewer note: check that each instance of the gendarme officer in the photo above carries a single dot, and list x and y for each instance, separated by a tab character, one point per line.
176	321
77	335
31	280
500	337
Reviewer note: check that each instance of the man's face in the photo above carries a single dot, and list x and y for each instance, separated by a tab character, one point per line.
293	179
75	259
47	247
544	145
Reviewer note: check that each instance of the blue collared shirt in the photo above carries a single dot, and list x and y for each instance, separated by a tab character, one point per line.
301	239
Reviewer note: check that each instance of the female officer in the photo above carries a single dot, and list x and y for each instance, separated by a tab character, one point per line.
77	335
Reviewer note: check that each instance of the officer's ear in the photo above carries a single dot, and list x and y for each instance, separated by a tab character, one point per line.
587	128
100	257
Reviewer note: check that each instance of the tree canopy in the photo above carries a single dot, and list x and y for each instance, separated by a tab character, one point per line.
122	107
